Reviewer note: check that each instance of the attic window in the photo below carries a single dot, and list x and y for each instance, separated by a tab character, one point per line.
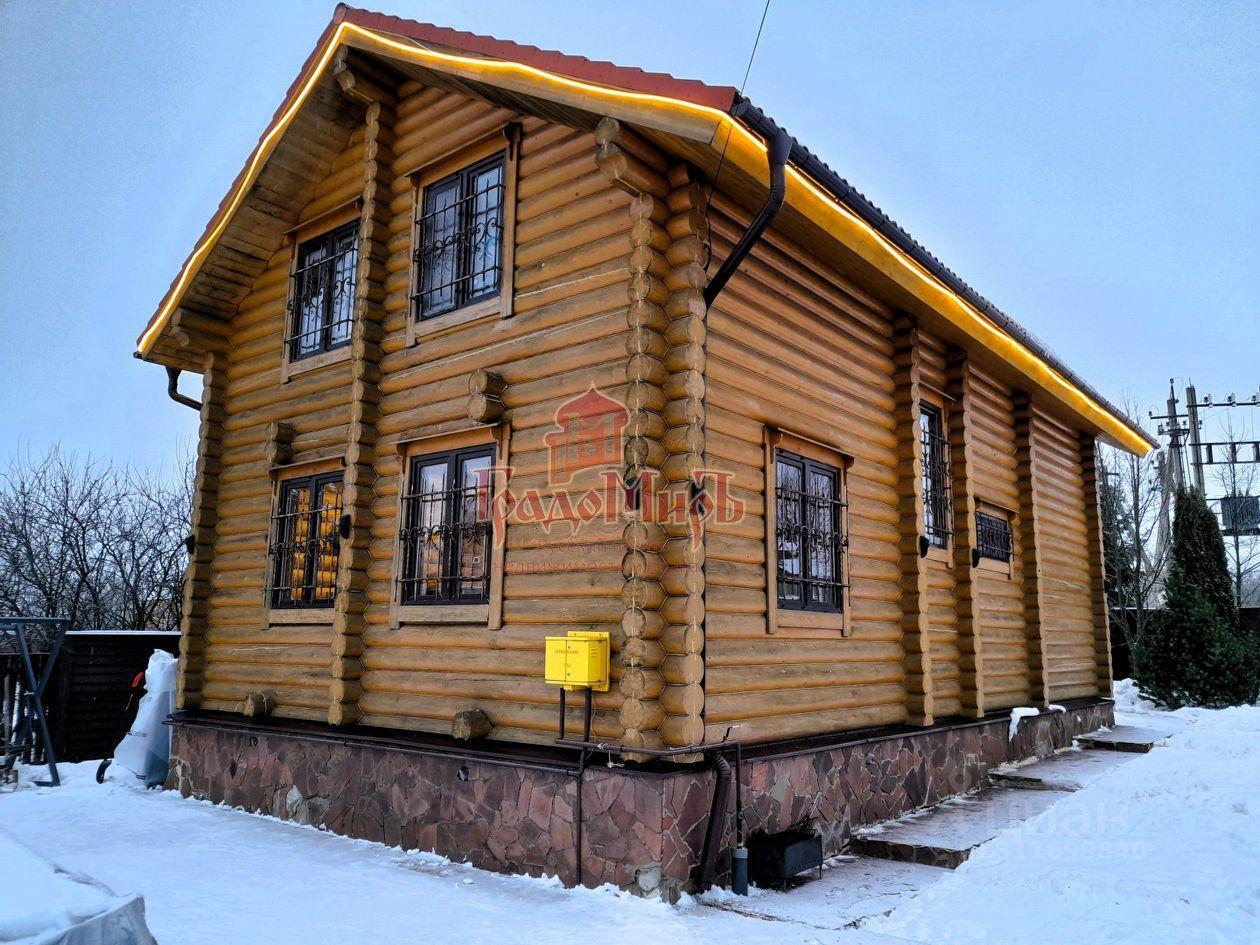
459	252
321	304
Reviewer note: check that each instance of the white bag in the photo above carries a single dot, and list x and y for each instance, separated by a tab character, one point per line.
145	751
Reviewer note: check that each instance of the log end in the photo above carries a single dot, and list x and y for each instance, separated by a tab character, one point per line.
470	724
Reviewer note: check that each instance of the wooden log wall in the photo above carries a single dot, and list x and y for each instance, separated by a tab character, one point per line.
1097	570
793	345
1067	616
969	597
567	332
351	600
684	578
638	170
999	598
199	577
913	571
245	652
942	610
663	625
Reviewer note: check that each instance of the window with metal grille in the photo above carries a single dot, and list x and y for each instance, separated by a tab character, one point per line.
447	528
810	540
459	250
993	537
306	543
321	305
938	513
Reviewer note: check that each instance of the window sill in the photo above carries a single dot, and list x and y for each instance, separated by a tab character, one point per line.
940	555
299	615
809	619
486	309
315	362
994	566
443	613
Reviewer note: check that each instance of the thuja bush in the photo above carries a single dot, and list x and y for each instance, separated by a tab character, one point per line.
1197	653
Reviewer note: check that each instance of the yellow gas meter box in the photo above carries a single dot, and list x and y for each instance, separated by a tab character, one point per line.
578	661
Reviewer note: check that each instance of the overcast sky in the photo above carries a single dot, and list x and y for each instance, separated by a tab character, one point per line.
1091	168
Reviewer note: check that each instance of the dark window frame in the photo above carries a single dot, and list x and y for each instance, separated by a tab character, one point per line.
284	545
995	538
798	500
411	534
336	296
463	275
938	486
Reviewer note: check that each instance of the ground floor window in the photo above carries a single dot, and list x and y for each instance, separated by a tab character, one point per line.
305	542
809	533
993	537
447	530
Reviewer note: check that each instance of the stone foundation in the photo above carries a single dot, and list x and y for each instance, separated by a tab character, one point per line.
642	830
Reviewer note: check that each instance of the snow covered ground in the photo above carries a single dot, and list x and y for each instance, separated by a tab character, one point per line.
1163	849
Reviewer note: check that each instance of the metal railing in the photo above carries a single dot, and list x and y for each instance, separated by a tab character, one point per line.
993	537
446	546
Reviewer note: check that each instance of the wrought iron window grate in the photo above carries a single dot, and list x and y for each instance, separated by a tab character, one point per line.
938	511
321	305
459	252
811	544
306	545
993	537
447	529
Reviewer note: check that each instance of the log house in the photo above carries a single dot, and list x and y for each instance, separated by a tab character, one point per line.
848	498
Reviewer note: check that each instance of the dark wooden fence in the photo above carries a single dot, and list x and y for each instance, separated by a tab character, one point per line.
90	686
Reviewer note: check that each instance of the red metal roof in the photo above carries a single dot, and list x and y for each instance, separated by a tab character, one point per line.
576	67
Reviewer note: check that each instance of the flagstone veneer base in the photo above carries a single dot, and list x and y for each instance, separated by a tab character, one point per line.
642	831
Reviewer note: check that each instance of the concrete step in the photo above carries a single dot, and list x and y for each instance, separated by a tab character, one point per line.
852	889
945	835
1123	738
1067	771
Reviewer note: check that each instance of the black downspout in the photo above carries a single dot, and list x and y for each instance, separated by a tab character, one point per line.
172	388
715	832
777	154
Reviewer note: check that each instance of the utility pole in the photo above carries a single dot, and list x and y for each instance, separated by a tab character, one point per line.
1174	431
1196	457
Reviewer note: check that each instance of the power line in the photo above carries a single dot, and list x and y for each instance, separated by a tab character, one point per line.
708	234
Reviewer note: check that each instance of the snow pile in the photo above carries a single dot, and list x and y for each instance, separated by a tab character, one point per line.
38	901
1017	714
1160	850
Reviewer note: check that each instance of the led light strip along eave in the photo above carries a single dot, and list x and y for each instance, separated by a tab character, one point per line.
979	325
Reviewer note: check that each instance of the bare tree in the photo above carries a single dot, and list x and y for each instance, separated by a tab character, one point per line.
98	545
1239	477
1134	498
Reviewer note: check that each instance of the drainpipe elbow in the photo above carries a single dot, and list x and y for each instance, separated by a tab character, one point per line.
172	390
777	153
